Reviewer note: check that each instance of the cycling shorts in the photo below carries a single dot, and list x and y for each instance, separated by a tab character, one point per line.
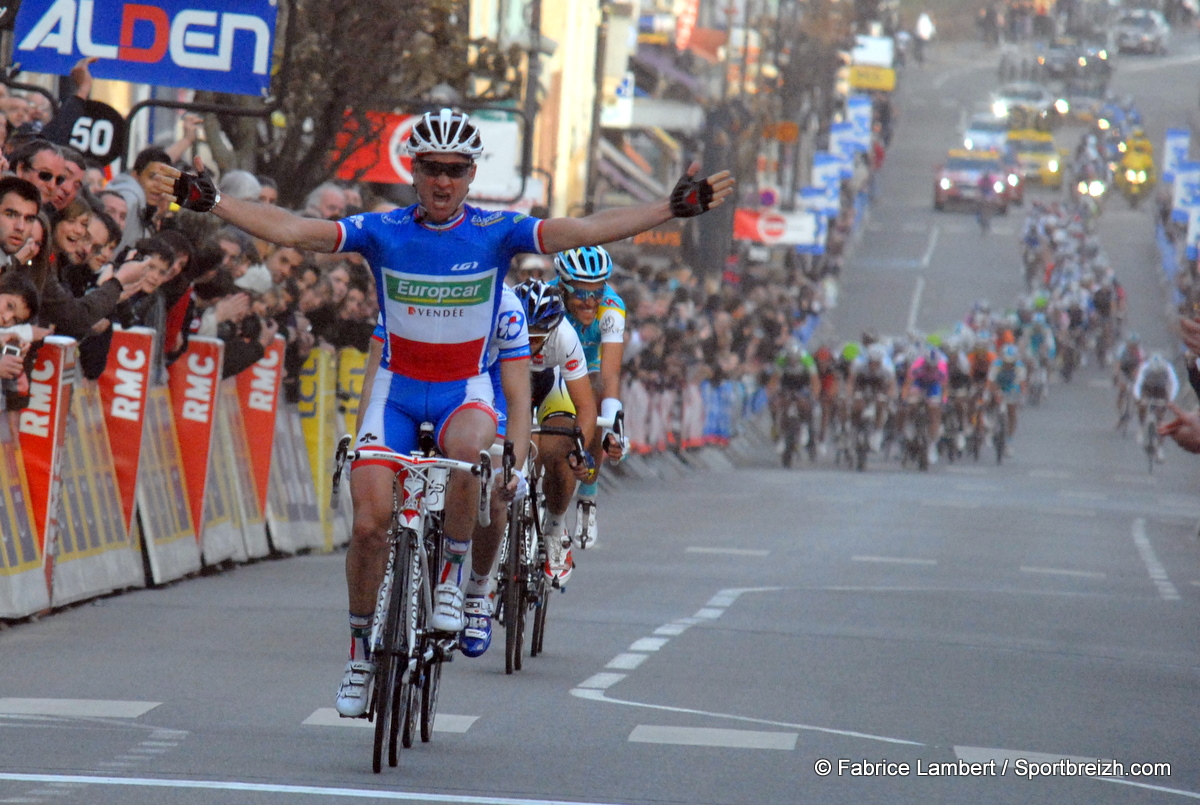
398	405
931	390
556	401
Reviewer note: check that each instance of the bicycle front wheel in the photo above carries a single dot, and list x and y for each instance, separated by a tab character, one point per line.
511	601
413	618
387	665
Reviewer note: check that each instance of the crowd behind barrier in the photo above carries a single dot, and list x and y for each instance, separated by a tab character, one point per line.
176	407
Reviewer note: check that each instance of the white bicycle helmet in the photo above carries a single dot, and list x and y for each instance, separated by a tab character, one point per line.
585	264
445	132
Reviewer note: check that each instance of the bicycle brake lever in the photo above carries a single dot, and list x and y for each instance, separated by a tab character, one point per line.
343	450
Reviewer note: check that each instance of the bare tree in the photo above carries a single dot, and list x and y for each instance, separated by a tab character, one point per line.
344	59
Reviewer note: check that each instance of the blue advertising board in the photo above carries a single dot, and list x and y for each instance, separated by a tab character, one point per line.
217	45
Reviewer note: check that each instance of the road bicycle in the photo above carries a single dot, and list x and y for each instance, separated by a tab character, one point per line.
1155	413
407	652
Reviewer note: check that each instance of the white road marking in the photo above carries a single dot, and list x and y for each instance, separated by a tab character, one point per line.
648	644
626	661
1057	571
975	754
914	305
672	629
443	722
1157	573
76	708
601	696
601	681
895	560
708	736
709	613
1146	480
727	551
1093	496
290	790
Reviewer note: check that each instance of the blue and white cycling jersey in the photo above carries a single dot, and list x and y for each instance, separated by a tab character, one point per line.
607	328
439	287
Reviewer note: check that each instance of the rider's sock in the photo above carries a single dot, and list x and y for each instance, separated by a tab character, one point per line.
477	585
454	554
360	636
588	491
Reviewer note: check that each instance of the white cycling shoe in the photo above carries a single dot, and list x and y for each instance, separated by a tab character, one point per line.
586	532
354	694
447	609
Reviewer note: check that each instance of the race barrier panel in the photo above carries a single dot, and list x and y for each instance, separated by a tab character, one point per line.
258	397
94	553
23	588
221	536
42	427
235	451
164	522
193	380
293	516
124	388
318	416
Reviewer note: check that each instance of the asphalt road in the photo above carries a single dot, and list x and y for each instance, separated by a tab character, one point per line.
732	630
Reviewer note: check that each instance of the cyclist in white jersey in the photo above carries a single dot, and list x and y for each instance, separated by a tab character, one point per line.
438	268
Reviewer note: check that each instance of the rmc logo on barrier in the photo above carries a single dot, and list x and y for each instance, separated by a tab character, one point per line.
218	45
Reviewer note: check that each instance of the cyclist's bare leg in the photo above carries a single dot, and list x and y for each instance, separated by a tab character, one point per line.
366	557
558	482
1012	419
465	434
485	542
935	420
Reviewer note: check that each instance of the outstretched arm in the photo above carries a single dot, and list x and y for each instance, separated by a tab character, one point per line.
691	197
263	221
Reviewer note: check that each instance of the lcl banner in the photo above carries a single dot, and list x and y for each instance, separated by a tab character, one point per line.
194	379
124	389
218	45
41	428
258	393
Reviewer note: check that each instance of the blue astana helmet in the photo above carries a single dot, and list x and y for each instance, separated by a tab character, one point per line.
586	264
543	303
445	132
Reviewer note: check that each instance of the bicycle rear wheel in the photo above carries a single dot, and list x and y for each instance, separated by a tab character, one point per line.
1151	443
511	600
538	638
431	685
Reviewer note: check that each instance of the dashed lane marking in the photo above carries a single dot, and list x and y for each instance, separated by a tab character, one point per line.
728	551
1056	571
1058	474
708	736
443	722
601	681
76	708
649	644
1145	480
894	560
1158	574
627	661
1092	496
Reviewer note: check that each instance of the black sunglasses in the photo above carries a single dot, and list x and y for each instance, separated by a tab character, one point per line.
455	170
47	176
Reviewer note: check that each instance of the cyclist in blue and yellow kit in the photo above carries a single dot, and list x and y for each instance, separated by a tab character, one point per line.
438	267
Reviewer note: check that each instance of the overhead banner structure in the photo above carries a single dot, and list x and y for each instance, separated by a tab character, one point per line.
42	426
217	45
95	552
124	388
23	588
164	511
193	380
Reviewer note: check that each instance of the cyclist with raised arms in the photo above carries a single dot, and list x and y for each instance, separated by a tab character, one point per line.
439	267
597	313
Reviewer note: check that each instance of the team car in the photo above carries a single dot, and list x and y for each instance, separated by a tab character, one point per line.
959	177
1040	159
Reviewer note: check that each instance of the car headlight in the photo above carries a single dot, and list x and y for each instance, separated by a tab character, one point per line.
1052	166
1141	176
1000	109
1103	54
1061	106
1013	179
945	183
968	143
1096	188
1082	188
1131	175
1121	147
998	187
1083	61
1103	124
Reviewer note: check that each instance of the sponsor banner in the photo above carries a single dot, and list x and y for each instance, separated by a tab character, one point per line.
23	588
1186	189
870	77
42	426
95	553
124	387
829	170
351	370
257	399
860	112
217	45
877	51
383	156
845	141
802	228
164	512
1193	233
239	449
318	417
665	240
193	380
222	533
1175	151
293	518
826	201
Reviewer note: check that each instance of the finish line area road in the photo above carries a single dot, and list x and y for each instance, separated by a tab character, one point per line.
731	633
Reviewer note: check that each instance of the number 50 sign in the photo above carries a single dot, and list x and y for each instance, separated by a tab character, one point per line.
98	132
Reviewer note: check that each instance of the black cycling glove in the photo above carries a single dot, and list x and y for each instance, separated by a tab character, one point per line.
691	197
197	193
